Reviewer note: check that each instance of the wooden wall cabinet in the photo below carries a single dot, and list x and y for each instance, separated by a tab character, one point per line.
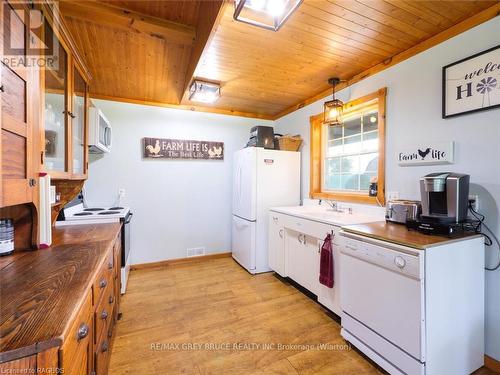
65	104
43	112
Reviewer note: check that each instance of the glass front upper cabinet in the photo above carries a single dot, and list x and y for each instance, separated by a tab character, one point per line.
55	108
78	115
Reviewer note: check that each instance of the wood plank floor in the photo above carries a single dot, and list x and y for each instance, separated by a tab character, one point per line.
218	305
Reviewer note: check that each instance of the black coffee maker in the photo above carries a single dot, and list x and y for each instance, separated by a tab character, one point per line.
445	202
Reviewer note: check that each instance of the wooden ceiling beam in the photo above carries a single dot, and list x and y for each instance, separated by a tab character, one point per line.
132	21
209	18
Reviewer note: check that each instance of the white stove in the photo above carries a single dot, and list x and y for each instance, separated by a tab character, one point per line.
79	214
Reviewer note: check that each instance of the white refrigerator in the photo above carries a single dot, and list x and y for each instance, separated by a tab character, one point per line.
261	179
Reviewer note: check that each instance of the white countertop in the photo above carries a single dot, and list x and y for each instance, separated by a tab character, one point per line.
325	215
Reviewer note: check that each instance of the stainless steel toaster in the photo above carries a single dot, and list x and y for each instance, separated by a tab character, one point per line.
401	211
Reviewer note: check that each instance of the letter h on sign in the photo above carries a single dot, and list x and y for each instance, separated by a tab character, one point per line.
468	90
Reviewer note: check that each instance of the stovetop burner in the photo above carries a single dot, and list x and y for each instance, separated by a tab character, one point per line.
94	209
109	212
83	213
115	208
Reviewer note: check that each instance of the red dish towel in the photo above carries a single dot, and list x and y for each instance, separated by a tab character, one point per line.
326	263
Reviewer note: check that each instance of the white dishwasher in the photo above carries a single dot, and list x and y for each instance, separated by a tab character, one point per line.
383	303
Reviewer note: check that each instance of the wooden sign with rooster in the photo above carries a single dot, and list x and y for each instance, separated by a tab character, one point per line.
428	153
159	148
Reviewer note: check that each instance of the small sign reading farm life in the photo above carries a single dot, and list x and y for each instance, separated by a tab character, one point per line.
434	153
472	84
159	148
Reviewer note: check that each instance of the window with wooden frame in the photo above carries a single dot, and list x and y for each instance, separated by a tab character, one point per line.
345	158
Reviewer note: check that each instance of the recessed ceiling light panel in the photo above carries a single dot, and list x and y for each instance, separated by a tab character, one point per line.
204	92
267	14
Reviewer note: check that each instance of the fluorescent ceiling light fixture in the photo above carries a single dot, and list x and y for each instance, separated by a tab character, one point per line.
204	92
267	14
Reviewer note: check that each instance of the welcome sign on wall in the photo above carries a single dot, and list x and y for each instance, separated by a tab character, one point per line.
427	154
472	84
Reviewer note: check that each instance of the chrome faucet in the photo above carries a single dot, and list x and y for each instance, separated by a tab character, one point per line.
334	206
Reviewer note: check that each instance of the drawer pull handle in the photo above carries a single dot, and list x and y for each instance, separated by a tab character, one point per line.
281	233
104	315
104	347
83	331
299	238
103	283
111	300
110	265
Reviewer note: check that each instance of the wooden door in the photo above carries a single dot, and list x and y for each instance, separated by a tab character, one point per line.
17	89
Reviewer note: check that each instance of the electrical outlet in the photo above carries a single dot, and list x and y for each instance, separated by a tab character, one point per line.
392	195
475	204
121	193
195	251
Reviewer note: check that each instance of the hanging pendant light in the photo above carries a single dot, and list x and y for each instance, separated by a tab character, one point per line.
333	109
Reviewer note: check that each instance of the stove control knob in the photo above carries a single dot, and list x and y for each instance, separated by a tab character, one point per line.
400	262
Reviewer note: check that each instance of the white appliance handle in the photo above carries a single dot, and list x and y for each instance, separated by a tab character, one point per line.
241	225
240	184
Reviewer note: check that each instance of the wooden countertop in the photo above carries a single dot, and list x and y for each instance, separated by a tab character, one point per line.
41	291
399	234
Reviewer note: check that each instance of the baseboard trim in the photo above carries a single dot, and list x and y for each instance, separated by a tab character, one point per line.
492	364
172	262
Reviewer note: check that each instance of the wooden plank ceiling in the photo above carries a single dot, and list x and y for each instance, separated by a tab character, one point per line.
262	73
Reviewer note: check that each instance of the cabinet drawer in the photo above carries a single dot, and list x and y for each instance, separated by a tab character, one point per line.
102	357
312	228
104	311
104	278
77	346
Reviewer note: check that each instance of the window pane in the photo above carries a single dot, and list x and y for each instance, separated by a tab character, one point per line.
332	182
365	180
370	141
349	181
335	148
368	162
352	145
352	126
351	152
370	121
334	132
350	164
332	166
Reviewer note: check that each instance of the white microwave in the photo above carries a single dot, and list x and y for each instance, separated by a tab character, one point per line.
100	133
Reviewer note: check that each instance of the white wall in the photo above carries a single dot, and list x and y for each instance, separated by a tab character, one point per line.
414	115
177	204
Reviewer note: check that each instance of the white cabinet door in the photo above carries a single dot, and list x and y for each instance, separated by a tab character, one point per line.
277	244
330	297
302	260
